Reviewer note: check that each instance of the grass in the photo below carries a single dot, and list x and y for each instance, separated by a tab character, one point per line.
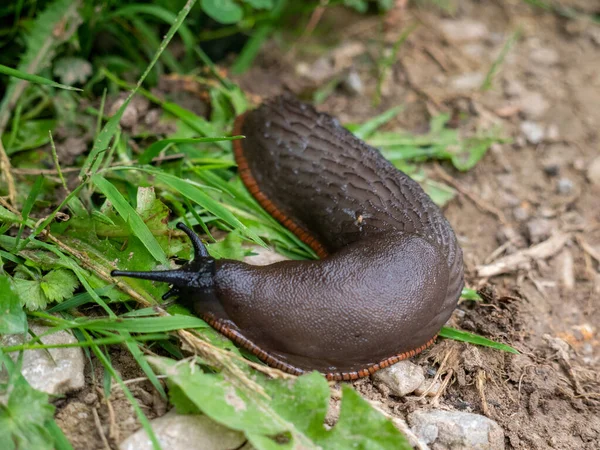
62	233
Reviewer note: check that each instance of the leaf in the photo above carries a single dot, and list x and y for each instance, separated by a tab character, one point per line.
12	316
223	11
291	417
358	420
465	336
34	78
36	293
470	294
7	216
23	416
58	285
31	134
260	4
30	293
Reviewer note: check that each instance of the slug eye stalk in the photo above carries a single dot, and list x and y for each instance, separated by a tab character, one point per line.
197	274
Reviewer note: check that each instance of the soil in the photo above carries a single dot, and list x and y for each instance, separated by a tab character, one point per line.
548	396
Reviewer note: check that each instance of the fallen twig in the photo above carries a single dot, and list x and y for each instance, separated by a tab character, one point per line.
523	258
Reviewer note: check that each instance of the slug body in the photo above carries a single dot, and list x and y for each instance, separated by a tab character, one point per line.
391	270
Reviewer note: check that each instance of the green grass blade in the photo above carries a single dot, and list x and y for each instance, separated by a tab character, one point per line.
365	130
154	149
143	324
34	78
137	225
465	336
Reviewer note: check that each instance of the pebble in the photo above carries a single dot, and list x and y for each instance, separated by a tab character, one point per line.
54	371
402	378
468	81
544	56
533	132
464	30
534	105
352	83
520	214
456	430
185	432
513	88
564	186
539	230
593	172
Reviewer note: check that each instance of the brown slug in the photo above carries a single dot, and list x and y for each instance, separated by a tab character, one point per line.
391	270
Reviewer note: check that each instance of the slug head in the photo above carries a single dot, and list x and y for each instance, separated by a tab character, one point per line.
197	275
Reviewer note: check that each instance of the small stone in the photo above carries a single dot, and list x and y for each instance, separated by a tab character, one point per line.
130	116
456	430
90	398
552	132
352	83
533	132
55	370
402	378
564	186
520	214
513	88
185	432
593	172
468	81
544	56
534	105
539	230
464	30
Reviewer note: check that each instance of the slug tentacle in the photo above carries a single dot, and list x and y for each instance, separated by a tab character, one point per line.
197	274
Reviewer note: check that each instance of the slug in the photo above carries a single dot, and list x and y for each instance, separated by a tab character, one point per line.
390	273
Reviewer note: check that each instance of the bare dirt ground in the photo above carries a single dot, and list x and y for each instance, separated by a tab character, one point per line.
546	97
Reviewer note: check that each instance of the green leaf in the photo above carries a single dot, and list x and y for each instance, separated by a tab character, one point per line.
23	416
34	78
7	216
469	294
223	11
358	420
260	4
465	336
31	134
59	284
36	293
293	409
30	293
12	316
